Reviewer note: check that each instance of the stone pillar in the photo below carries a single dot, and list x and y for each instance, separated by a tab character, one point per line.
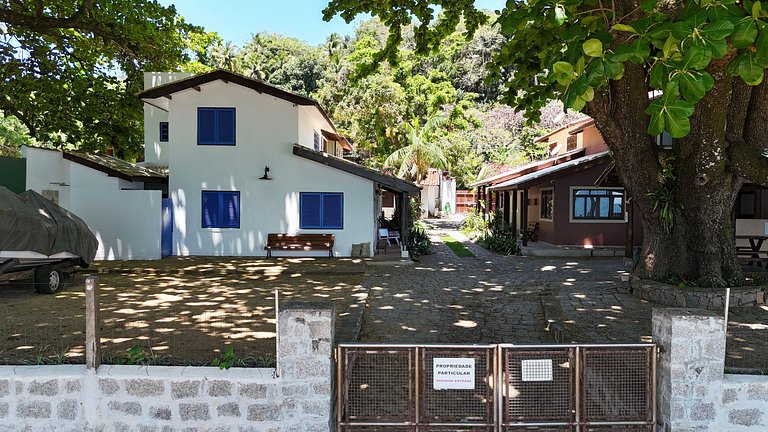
304	356
690	368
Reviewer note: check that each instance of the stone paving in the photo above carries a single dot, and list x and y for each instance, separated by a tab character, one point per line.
491	298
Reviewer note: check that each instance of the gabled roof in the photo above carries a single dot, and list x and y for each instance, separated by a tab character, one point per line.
194	82
433	178
529	168
387	181
573	124
556	171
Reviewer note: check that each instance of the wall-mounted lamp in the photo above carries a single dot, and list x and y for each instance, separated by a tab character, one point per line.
266	174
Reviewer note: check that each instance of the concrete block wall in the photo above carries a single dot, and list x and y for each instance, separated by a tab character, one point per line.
294	397
693	393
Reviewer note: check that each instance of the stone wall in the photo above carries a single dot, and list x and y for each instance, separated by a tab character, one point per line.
294	397
693	393
692	297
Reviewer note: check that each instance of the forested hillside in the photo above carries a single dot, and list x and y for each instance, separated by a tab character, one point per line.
437	110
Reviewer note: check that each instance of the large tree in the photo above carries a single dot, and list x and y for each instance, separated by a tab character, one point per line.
69	69
691	68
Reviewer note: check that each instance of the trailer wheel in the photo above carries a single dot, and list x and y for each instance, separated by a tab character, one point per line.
48	280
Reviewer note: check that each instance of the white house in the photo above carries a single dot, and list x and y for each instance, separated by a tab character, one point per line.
121	202
247	159
438	194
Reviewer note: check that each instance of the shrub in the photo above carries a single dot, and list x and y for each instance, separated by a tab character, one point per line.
500	243
418	241
474	223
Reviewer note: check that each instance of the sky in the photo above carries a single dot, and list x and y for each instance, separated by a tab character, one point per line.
238	20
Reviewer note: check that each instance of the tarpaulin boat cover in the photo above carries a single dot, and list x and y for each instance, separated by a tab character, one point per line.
30	222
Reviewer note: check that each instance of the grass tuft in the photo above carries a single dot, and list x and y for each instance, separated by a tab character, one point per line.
456	246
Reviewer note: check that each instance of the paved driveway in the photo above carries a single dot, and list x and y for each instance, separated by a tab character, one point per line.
497	299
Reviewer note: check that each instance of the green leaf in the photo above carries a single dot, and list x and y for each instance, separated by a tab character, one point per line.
749	70
562	67
719	48
718	30
671	47
593	47
696	57
635	52
761	48
613	70
624	28
691	86
670	113
658	75
756	9
745	33
648	5
681	30
589	94
595	72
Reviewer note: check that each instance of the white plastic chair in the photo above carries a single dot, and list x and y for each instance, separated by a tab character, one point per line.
384	234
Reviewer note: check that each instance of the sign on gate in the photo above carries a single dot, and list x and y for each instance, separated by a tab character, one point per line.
453	373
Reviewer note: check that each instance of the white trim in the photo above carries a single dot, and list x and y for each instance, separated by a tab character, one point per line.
595	221
541	204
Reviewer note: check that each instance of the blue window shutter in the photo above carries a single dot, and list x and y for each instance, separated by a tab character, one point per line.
226	126
206	126
333	210
317	141
310	211
210	208
163	131
230	209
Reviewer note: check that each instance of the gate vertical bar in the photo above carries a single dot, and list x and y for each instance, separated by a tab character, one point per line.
498	371
417	386
577	377
654	354
339	407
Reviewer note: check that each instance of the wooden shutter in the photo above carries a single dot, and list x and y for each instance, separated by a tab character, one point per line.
572	143
230	209
226	126
333	211
210	209
310	211
206	126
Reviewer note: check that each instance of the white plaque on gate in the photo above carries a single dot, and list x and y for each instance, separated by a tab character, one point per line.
536	370
453	373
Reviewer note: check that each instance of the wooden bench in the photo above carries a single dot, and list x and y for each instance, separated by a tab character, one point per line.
745	254
305	242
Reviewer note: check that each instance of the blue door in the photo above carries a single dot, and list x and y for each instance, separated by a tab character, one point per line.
166	238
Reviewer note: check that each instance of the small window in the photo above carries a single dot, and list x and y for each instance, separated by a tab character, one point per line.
221	209
598	204
163	131
321	210
546	204
317	143
572	143
216	126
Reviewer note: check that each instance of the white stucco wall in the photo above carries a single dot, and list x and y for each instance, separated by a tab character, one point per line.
126	221
429	197
155	152
266	130
448	196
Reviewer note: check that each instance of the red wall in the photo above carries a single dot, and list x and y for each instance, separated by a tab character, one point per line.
561	231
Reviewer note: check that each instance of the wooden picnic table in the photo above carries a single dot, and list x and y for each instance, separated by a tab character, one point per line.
751	253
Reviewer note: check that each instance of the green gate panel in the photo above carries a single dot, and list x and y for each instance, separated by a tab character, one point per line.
13	173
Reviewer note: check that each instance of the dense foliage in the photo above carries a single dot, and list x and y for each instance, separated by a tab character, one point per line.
691	68
70	68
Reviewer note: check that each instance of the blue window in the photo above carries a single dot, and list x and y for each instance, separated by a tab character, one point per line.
221	209
216	126
321	210
598	204
163	131
317	141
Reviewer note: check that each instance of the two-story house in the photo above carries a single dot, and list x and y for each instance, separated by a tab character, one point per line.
246	159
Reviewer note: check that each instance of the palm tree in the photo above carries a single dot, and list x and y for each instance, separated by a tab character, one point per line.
423	152
225	56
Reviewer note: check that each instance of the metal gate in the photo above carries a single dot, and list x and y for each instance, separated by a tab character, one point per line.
588	387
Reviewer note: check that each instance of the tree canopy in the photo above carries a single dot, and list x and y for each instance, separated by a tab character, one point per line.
691	68
70	68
